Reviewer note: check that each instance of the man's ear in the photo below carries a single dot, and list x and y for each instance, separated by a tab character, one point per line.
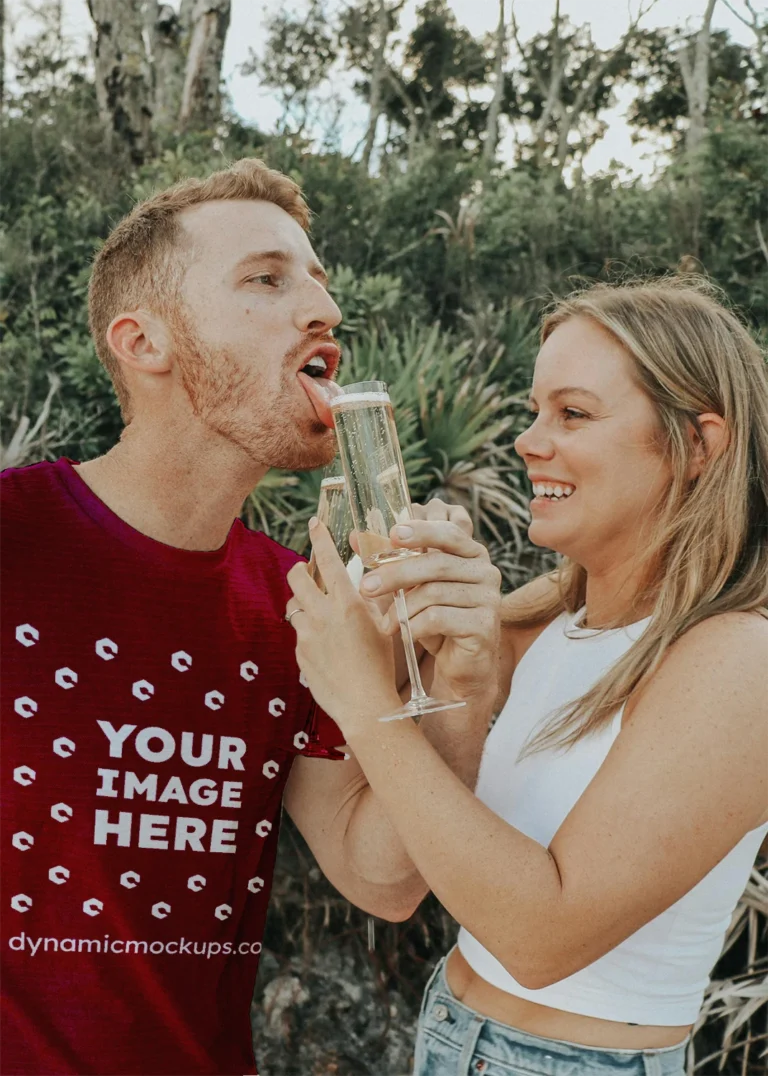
141	341
710	441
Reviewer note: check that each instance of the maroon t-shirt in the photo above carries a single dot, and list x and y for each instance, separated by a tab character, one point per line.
151	710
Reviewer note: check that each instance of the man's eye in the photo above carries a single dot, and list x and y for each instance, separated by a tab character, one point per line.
573	413
262	278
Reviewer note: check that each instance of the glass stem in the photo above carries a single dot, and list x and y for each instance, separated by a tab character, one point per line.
417	690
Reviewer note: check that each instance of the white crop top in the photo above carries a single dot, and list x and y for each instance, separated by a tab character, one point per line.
658	974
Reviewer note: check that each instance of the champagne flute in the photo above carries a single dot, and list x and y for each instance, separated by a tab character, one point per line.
333	510
378	499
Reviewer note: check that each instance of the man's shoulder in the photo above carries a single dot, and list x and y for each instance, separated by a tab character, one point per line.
29	476
25	490
260	545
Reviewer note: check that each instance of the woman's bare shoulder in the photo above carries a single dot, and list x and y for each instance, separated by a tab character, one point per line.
726	653
738	636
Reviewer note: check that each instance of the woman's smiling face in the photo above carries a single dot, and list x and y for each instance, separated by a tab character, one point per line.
593	453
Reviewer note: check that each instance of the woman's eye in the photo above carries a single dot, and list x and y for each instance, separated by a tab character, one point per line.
262	278
566	412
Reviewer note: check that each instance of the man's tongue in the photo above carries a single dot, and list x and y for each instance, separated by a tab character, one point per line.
320	391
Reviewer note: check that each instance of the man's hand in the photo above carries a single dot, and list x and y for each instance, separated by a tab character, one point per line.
345	656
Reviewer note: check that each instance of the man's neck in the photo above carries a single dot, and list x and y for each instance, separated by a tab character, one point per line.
180	493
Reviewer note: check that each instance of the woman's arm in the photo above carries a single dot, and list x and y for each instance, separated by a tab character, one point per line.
685	780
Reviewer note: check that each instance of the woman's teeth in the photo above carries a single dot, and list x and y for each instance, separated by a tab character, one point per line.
556	493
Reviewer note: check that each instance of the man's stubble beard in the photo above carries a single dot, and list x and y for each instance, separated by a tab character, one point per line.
221	395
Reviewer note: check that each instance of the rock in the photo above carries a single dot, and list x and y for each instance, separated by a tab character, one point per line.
332	1017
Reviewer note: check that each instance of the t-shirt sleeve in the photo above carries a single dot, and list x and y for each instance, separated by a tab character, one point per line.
324	735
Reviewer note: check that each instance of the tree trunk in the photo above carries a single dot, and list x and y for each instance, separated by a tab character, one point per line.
694	67
552	103
166	34
123	76
2	52
492	127
569	117
760	29
377	79
411	113
201	93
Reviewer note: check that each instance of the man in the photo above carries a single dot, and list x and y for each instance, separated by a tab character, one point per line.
152	705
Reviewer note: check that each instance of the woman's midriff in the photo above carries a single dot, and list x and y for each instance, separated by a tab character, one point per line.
476	993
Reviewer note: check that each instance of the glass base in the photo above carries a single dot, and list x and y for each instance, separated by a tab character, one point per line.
416	708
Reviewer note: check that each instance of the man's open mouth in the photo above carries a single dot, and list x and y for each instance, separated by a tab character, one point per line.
316	367
316	377
323	361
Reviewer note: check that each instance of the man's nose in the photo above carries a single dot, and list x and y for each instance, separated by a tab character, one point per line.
318	313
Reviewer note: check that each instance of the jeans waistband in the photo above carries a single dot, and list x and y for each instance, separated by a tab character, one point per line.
450	1019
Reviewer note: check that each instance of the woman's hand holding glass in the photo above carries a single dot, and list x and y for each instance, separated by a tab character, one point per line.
453	599
345	651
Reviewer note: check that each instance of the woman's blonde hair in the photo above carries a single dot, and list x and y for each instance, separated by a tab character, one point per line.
708	552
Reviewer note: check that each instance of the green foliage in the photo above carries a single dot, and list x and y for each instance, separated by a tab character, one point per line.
370	301
445	60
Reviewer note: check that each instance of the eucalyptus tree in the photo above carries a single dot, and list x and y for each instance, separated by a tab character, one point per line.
494	111
734	93
693	58
206	32
366	36
2	51
757	21
443	65
568	81
123	75
157	71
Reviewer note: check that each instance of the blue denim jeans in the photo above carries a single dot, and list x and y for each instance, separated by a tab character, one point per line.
453	1040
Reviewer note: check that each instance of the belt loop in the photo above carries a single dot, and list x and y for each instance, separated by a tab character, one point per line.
430	984
652	1065
473	1034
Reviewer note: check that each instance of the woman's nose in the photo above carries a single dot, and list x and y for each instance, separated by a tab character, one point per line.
534	442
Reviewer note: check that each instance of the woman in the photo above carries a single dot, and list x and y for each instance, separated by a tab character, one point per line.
623	790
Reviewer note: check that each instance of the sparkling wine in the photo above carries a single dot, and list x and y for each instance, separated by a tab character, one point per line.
377	489
333	511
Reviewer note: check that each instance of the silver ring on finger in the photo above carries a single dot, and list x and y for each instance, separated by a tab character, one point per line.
292	613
